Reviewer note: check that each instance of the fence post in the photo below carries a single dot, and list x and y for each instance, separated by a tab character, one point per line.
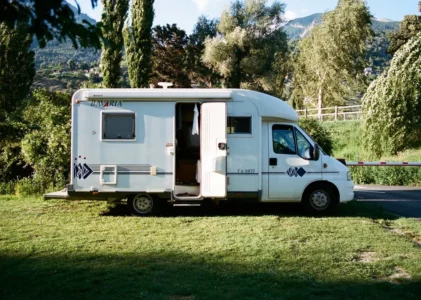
305	113
336	113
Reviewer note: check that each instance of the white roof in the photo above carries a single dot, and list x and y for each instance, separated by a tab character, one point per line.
269	107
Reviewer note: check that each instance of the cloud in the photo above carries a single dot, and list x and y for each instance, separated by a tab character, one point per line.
289	15
202	5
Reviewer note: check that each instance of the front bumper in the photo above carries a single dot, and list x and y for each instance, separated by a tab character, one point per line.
346	191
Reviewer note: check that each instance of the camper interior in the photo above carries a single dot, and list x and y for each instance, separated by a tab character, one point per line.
187	154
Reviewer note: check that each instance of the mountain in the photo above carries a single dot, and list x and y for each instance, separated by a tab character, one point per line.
56	53
300	27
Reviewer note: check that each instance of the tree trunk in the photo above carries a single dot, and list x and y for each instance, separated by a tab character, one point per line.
319	103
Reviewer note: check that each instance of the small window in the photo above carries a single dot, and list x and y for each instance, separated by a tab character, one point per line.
118	126
239	125
283	139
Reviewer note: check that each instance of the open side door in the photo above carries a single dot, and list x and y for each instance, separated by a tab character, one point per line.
213	150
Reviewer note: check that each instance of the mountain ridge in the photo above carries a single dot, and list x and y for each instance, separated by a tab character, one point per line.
300	27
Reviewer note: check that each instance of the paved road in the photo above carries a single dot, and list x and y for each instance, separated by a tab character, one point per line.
404	201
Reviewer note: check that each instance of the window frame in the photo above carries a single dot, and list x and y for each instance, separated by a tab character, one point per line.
116	112
294	140
242	134
296	144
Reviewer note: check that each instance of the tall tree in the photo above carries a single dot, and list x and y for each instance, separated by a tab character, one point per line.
392	104
52	19
113	18
330	61
17	66
408	28
138	42
169	58
199	72
249	38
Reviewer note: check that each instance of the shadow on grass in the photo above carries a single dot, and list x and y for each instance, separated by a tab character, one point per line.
351	209
178	276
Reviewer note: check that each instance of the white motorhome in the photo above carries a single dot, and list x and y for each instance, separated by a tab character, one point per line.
157	146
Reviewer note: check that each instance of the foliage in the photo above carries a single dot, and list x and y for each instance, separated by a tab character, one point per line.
52	19
399	176
392	104
408	28
198	71
138	42
318	133
46	145
330	60
377	57
17	68
113	18
246	46
169	57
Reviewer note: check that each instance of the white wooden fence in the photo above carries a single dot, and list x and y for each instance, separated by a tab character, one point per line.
335	113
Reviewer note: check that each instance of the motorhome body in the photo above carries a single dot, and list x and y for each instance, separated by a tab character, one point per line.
154	146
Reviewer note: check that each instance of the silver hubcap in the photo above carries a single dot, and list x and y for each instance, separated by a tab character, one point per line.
319	200
142	203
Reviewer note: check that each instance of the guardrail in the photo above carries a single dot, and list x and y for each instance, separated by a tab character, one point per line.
383	164
334	113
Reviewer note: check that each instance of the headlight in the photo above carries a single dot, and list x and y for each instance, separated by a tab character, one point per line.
348	176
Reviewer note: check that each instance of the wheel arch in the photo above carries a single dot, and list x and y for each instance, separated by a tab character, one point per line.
324	183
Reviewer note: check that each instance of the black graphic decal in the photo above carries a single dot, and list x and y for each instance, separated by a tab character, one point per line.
296	172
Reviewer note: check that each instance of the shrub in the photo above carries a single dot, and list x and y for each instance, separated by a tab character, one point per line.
318	133
7	188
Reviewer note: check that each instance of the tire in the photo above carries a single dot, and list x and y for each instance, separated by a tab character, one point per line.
320	199
144	205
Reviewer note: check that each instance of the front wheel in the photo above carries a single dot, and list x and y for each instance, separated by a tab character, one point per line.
320	199
144	205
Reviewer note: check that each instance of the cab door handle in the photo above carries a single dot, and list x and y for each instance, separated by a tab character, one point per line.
273	161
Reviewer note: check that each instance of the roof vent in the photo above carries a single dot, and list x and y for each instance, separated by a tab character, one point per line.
165	85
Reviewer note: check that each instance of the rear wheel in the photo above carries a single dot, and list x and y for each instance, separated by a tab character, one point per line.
320	199
144	205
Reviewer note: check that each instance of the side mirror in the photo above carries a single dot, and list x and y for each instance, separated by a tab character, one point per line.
316	152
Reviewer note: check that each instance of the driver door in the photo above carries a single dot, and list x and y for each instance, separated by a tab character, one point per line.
291	167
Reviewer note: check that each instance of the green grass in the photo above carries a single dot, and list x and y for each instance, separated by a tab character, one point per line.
67	250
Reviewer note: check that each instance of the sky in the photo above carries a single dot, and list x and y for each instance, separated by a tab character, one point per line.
186	12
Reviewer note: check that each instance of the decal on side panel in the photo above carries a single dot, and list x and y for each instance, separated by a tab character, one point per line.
296	172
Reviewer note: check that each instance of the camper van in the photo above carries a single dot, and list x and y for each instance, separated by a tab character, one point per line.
156	147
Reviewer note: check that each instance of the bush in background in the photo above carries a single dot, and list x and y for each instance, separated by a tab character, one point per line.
318	133
46	145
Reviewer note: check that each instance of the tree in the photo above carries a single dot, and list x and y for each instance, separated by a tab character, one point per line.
138	42
392	104
249	38
169	58
17	66
46	145
52	19
71	64
199	72
408	28
330	60
113	18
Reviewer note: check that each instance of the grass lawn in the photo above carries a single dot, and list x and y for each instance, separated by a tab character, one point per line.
77	250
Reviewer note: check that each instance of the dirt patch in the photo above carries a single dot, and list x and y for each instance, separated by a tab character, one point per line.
368	257
399	276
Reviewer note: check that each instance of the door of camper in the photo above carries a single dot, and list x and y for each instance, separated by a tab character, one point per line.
213	150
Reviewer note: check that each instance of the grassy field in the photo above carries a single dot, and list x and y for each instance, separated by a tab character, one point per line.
82	250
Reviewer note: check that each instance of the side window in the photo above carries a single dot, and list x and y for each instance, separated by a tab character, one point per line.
304	147
118	126
239	125
283	139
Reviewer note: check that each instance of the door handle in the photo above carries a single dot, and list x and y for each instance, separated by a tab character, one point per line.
273	161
